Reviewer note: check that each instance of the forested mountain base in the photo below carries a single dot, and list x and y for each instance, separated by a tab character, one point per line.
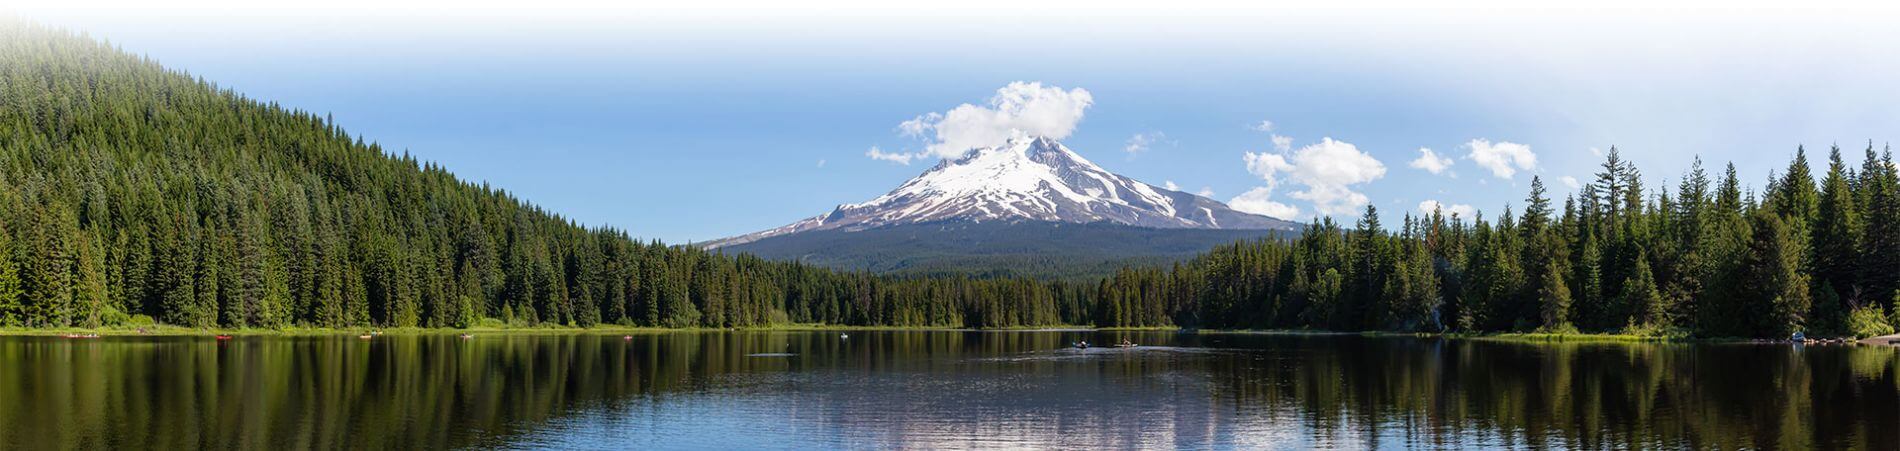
1044	250
127	189
130	192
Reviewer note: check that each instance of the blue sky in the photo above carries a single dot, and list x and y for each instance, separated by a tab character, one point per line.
696	124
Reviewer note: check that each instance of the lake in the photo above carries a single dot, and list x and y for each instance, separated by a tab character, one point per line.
937	389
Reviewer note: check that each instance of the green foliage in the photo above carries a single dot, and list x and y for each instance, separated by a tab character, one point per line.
131	192
1072	252
1868	321
130	189
11	313
1709	262
1775	289
1877	193
1641	292
1554	300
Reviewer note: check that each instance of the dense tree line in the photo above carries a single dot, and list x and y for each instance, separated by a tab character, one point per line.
1711	258
130	190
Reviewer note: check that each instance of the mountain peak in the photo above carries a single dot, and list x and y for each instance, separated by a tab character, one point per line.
1037	149
1028	178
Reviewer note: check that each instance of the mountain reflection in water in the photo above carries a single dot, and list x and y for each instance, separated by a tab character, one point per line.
936	389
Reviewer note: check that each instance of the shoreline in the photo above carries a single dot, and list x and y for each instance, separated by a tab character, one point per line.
1518	337
176	331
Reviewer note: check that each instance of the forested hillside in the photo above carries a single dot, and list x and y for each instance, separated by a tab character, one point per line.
129	192
129	189
1040	249
1713	257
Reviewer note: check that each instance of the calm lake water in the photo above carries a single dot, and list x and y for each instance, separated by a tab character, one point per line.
946	389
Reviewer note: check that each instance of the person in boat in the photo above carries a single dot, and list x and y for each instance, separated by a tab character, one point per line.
1082	345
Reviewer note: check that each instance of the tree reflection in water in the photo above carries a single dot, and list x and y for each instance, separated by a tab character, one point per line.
937	389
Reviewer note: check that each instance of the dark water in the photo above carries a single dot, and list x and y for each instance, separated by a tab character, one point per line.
814	390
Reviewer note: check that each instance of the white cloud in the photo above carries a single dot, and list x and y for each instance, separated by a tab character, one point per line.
920	126
1597	152
1570	182
1141	142
1461	210
1326	172
1259	201
899	158
1431	161
821	162
1266	165
1264	126
1283	144
1504	158
1170	185
1020	108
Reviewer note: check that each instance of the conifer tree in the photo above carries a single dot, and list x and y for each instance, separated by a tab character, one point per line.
1796	200
1650	307
46	274
12	313
1835	250
91	301
1880	236
1776	291
1554	300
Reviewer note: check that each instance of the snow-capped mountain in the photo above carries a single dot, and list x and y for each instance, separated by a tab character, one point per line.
1026	179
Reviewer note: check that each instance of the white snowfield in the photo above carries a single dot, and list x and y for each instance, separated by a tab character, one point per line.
1026	179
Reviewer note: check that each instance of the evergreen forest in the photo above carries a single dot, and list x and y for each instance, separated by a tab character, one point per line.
133	194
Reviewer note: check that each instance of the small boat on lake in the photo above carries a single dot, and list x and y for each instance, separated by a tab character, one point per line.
365	336
223	337
1080	345
1126	344
467	336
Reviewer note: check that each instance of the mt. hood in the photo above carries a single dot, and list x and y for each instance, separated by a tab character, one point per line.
1028	179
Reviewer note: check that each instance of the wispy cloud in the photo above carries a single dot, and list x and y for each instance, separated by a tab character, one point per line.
902	158
1431	161
1503	158
1283	144
1570	182
1142	142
